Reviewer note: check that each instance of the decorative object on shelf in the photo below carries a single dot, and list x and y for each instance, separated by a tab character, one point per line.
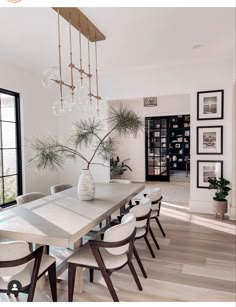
206	170
150	102
174	158
222	191
51	153
210	140
117	168
175	126
177	145
81	94
210	105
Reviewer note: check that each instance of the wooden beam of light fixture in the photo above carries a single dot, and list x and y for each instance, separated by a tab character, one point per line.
94	33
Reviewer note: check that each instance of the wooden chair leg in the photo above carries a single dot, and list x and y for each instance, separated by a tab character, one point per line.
53	281
159	224
153	237
100	225
149	247
91	275
71	281
47	249
139	262
109	283
132	269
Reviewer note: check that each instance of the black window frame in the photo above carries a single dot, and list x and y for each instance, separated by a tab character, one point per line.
18	145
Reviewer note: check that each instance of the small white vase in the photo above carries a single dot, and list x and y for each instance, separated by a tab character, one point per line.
86	187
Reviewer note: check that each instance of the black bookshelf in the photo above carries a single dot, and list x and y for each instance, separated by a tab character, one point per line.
179	141
167	145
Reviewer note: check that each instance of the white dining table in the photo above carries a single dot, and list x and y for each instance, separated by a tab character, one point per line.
62	219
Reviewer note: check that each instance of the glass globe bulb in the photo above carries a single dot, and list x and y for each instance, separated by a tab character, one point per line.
61	107
90	107
48	76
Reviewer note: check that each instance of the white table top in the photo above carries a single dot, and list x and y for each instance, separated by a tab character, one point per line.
62	219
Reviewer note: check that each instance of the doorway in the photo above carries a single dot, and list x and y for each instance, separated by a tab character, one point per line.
167	148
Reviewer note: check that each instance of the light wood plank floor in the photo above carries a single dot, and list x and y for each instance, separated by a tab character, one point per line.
195	263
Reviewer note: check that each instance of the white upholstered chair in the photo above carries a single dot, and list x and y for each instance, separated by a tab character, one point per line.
17	263
156	198
142	213
26	198
60	187
107	256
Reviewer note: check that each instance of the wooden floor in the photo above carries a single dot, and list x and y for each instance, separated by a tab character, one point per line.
195	263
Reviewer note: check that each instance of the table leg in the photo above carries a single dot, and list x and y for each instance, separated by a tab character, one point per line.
42	283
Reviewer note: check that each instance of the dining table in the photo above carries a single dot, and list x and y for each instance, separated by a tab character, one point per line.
62	219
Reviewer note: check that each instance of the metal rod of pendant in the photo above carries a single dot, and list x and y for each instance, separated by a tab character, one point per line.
80	54
59	53
89	67
96	64
71	61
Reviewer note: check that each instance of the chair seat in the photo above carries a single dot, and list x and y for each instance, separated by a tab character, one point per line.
84	257
24	277
140	231
154	214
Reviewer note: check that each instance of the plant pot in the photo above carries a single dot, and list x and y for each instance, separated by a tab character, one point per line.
220	207
86	187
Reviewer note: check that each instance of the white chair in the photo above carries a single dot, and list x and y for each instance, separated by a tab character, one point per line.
26	198
60	187
107	256
142	213
156	198
17	263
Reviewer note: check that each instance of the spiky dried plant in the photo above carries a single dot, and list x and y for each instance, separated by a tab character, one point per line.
50	153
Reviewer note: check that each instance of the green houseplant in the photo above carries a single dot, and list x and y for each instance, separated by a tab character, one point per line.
222	191
117	167
51	153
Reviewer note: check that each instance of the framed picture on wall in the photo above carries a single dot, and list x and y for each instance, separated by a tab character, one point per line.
207	170
210	140
210	105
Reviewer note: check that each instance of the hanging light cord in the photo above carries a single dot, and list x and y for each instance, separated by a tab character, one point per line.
96	63
71	61
80	53
59	52
89	67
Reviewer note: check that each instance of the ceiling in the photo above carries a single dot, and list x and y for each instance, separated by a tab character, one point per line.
136	38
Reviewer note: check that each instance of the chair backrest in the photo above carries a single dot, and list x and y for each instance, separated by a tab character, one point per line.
26	198
17	263
155	198
119	233
124	181
10	251
60	187
141	211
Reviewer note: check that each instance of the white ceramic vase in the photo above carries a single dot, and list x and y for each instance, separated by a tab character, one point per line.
86	187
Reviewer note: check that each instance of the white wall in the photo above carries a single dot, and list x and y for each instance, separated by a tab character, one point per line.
36	120
134	148
187	79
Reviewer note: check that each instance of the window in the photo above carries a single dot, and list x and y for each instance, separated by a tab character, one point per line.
10	147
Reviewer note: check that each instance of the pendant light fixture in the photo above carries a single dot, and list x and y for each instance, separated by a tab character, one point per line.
81	94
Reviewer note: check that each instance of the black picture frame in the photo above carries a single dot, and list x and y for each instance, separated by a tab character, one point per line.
220	152
221	163
221	103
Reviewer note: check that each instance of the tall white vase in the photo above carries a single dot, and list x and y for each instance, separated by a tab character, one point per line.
86	187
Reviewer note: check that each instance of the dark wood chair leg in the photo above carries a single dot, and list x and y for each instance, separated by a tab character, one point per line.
132	269
109	284
47	249
53	281
139	262
149	247
71	281
91	275
100	225
159	224
153	237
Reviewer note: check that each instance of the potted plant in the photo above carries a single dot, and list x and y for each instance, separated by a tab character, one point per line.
222	191
51	153
118	168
